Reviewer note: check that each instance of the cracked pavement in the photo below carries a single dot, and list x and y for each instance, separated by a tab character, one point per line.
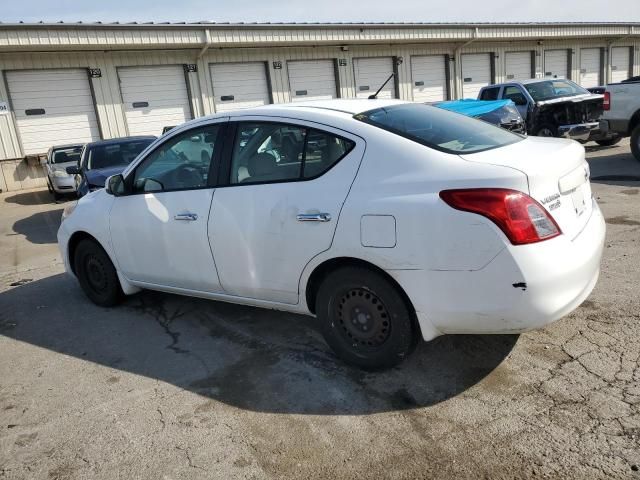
167	387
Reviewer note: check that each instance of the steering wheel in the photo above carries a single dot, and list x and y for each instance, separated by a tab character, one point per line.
187	176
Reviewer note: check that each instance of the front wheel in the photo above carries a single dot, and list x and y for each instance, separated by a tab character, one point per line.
96	274
364	319
547	130
635	142
609	142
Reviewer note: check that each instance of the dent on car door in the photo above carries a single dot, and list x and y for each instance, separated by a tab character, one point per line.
286	183
159	229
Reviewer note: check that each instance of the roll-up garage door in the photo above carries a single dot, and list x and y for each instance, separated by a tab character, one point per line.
620	63
518	66
239	85
52	107
371	73
429	78
556	63
154	97
476	73
312	80
589	67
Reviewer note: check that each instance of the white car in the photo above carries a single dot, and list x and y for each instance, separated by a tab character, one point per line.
59	182
389	221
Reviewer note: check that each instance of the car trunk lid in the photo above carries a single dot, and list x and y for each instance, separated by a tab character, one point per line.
557	174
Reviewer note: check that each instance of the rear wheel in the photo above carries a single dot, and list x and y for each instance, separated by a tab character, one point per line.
364	319
635	142
96	274
609	142
546	130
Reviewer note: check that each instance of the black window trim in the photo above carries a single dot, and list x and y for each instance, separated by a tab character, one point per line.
225	170
361	118
214	171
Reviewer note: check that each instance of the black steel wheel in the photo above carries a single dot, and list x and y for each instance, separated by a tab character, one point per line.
547	130
96	274
365	319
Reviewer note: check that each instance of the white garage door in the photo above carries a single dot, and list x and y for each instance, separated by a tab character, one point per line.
476	73
620	61
371	73
154	97
429	78
518	65
312	80
590	67
52	107
239	85
556	63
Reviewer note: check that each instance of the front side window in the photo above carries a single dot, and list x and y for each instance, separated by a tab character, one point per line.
439	129
183	162
550	89
271	152
515	95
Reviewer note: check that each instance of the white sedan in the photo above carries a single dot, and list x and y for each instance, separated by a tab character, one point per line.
389	221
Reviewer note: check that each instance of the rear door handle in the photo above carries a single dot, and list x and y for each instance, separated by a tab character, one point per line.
189	217
313	217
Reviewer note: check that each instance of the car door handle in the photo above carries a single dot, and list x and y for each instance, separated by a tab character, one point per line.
314	217
189	217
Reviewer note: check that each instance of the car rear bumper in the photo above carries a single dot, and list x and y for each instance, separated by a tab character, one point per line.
579	131
523	288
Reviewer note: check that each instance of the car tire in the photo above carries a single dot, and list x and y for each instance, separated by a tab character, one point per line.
96	274
635	142
546	130
365	319
609	142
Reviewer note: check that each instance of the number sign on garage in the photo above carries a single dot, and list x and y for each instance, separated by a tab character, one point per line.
476	73
556	63
519	66
154	97
52	107
370	75
620	63
428	74
312	80
239	85
590	67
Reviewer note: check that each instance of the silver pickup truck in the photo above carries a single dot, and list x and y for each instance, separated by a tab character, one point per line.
622	112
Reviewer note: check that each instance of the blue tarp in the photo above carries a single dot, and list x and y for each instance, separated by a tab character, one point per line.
471	107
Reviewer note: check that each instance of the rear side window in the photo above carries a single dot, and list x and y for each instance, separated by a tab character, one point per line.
490	93
439	129
267	152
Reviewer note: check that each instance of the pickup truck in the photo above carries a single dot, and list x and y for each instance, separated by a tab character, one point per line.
622	112
554	107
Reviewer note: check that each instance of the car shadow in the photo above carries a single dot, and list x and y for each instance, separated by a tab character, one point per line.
36	197
41	227
253	359
620	169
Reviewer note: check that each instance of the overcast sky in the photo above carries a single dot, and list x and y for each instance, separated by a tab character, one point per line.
321	10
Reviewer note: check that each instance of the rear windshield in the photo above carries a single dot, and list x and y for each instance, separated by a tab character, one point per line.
439	129
66	155
550	89
114	154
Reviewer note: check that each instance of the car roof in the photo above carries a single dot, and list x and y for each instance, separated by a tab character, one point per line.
525	82
113	141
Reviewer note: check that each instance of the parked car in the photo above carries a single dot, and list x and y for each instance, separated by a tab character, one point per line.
502	113
59	182
622	112
104	158
554	107
390	221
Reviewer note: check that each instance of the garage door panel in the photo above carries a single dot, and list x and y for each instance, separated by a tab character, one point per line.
163	89
429	79
620	61
64	95
316	78
590	67
243	85
371	73
518	66
556	63
476	73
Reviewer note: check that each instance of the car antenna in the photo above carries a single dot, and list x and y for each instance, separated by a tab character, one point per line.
375	95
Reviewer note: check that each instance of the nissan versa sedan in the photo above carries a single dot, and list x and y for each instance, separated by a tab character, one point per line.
59	182
389	221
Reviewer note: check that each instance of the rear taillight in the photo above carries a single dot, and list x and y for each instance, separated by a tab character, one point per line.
520	217
606	103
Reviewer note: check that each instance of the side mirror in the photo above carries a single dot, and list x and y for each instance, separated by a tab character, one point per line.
114	185
73	170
